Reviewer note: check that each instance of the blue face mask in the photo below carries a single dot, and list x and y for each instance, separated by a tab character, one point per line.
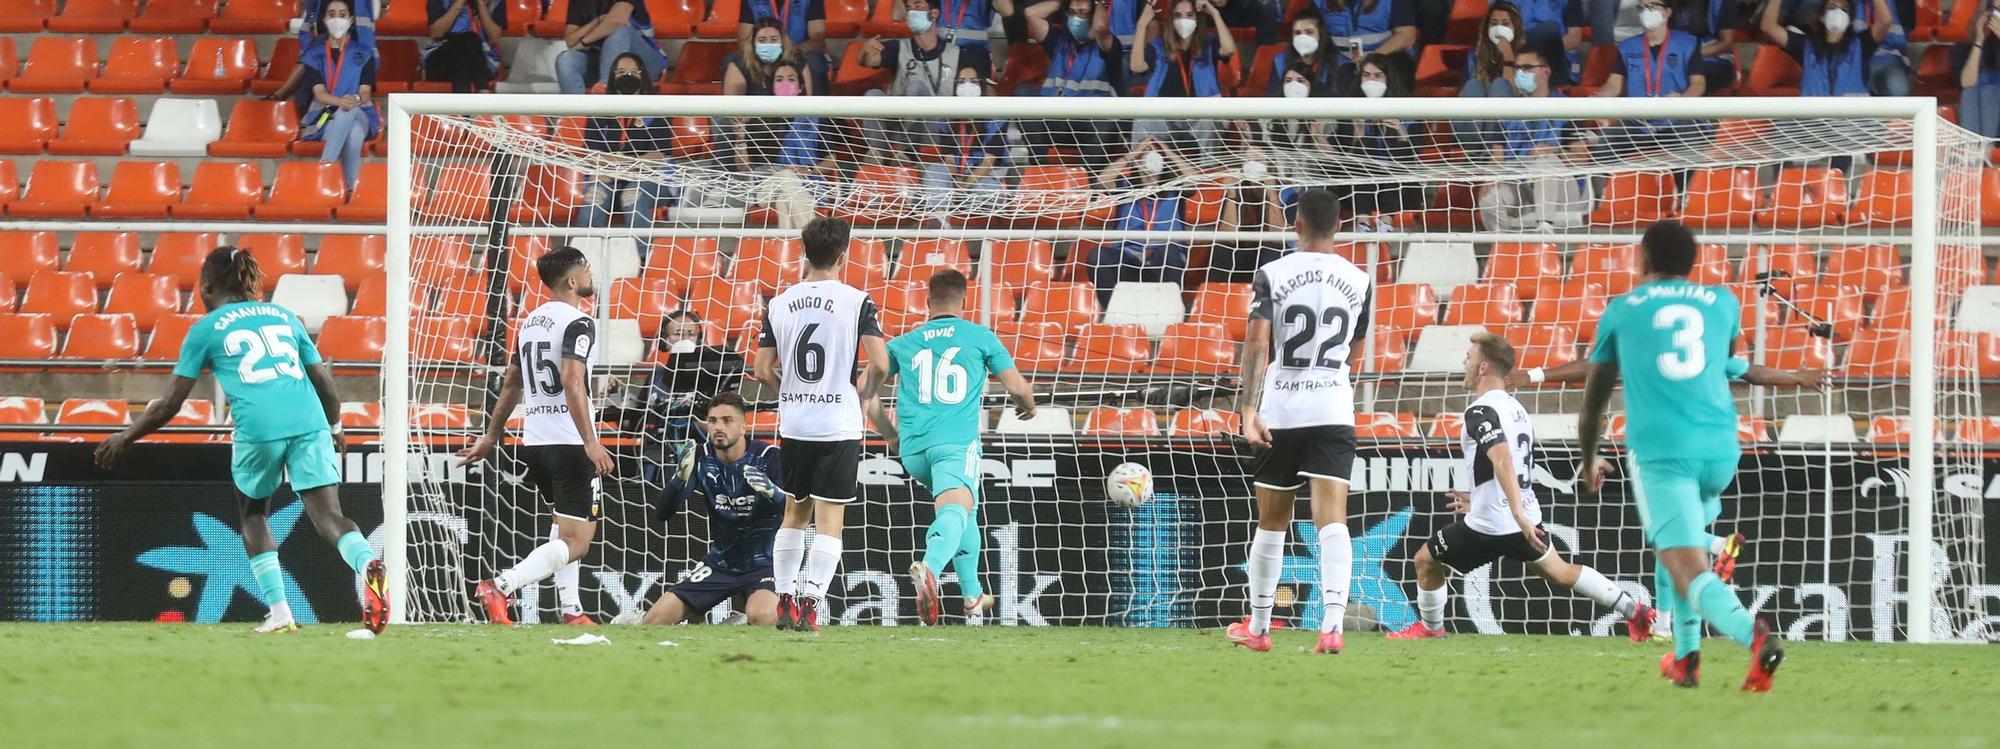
769	51
918	21
1524	81
1079	28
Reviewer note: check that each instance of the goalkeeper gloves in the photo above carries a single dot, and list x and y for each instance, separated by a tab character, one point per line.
761	483
683	460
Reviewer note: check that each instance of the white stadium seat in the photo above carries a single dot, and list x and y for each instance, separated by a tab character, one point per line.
1979	311
531	66
1443	265
312	298
623	346
180	127
1818	428
1549	427
1152	306
611	258
1441	348
1048	420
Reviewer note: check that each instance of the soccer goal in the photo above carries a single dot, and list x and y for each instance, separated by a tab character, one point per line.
1112	241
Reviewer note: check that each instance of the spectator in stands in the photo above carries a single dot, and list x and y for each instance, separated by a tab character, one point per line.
340	74
748	69
971	163
1183	59
784	153
961	22
465	43
804	23
688	371
1658	63
310	39
1258	202
1490	71
1358	28
1555	27
597	33
1082	62
1979	106
1139	170
1557	201
1832	53
1889	70
1371	206
1613	21
1713	23
644	138
924	64
1310	51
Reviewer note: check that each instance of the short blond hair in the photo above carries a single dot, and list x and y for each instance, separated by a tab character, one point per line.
1496	351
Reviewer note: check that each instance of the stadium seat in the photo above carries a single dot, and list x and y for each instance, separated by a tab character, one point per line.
1831	303
1772	73
284	59
9	299
1635	199
1405	306
1110	421
58	189
770	263
532	69
1883	199
1194	348
25	17
60	295
1258	81
450	340
1442	67
646	300
1450	425
549	195
1554	427
1818	428
902	306
1152	306
1977	352
98	126
403	19
721	23
1225	304
1541	344
107	336
27	124
1072	305
1723	198
1895	430
361	415
147	298
23	410
1978	310
1980	430
440	416
877	194
867	266
94	16
466	296
353	257
1711	266
1485	304
1806	198
137	65
10	184
917	259
681	261
623	344
258	130
1960	266
56	65
104	255
25	253
1525	265
1384	350
699	68
521	256
1444	265
1203	422
1789	264
1989	192
1037	346
261	17
312	298
729	305
1110	349
1615	267
1871	268
179	127
1378	425
278	255
460	192
224	191
1441	348
165	343
353	339
843	17
179	256
1022	262
399	69
1056	195
304	191
94	412
369	203
1049	420
1578	304
141	190
217	67
1792	348
28	336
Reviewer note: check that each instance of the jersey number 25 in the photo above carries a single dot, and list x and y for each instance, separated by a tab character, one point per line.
272	342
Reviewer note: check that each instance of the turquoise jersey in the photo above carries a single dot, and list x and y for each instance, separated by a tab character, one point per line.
258	352
941	370
1670	340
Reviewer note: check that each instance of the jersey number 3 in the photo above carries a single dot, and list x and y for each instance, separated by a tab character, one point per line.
273	342
1687	358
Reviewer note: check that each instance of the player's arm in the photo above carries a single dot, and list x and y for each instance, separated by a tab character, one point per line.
878	414
1759	374
1493	441
1256	355
157	415
496	420
1597	387
869	330
1020	392
1568	372
577	343
321	377
765	369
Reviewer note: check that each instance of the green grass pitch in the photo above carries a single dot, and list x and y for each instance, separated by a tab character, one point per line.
152	685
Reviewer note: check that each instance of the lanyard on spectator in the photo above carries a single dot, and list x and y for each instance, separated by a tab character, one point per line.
1655	77
1069	66
784	15
335	64
1187	78
964	146
951	32
624	129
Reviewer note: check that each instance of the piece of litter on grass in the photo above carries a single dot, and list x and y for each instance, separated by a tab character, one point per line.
360	634
582	639
669	644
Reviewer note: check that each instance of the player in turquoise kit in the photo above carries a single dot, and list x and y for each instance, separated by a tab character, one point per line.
1670	338
941	370
287	425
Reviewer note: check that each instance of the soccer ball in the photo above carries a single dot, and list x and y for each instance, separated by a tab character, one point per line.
1129	485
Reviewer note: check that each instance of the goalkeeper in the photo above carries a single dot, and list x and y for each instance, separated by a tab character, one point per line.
732	472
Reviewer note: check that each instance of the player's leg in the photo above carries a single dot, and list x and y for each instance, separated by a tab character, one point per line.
1591	584
565	475
941	542
1682	497
761	609
1717	601
1432	597
257	468
1328	460
834	486
1683	665
788	546
670	609
569	598
1276	479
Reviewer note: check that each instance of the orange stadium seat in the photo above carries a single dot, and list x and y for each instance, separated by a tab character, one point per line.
1110	421
1055	194
25	253
1831	303
683	260
9	299
1773	73
403	19
1378	425
699	68
729	305
94	16
920	258
1636	198
1981	430
1723	198
56	65
1979	352
1884	199
361	415
1072	305
108	336
137	65
1224	304
1806	198
10	184
1258	82
445	339
253	17
554	19
94	411
902	306
224	191
27	124
145	297
1111	349
304	191
398	69
1448	425
440	416
1870	268
644	299
1791	263
867	266
58	189
27	336
1036	346
353	339
141	190
769	262
369	203
1578	304
1489	304
1203	422
98	127
1406	306
843	17
1195	348
353	257
1615	267
1442	66
60	295
1385	350
23	410
549	195
179	256
284	59
722	21
258	130
1711	267
165	344
1524	265
1792	348
1542	345
104	255
1598	66
876	194
463	297
521	255
278	255
459	193
1022	262
1891	430
205	77
763	422
25	16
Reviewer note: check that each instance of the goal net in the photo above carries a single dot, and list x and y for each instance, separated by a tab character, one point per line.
1112	242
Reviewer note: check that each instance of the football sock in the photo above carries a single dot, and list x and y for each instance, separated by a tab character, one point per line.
941	541
1718	605
966	561
1716	544
1267	559
1686	623
788	549
354	548
819	569
1336	568
1431	603
566	579
537	566
1595	586
270	581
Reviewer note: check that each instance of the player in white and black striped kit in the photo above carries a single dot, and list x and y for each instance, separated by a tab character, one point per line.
1502	518
812	332
1309	310
551	377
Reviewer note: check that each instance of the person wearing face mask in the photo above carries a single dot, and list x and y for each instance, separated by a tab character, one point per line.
1309	48
1387	141
923	64
644	138
310	35
1182	59
960	22
1555	27
804	24
689	367
1142	169
1979	76
1832	53
971	155
1713	23
597	33
1358	28
1546	203
1489	71
1659	63
1082	62
785	156
340	76
465	43
748	70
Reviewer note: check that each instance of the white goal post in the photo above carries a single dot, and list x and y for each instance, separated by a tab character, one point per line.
1936	205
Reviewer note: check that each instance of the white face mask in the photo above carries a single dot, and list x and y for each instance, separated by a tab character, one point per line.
1652	19
683	347
1255	170
1184	27
1500	34
1153	163
338	27
1837	21
969	88
1306	44
1374	89
1297	89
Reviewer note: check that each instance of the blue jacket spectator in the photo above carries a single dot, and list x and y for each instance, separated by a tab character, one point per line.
971	166
926	63
597	33
1490	71
1373	206
1557	200
748	70
1832	53
1979	75
646	138
1083	61
1310	49
1713	23
465	43
1555	27
339	75
1658	63
803	21
363	15
1144	167
1182	59
965	22
1889	69
1358	28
